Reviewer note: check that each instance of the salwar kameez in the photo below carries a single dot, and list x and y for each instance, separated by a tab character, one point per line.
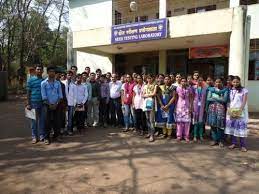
216	115
182	113
199	102
165	119
237	127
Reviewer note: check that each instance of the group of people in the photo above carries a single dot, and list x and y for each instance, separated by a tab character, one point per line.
167	105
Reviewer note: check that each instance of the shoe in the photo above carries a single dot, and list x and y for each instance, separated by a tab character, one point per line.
70	133
213	143
34	141
105	125
156	134
233	146
164	136
125	130
195	139
151	139
95	124
46	141
169	137
221	145
243	149
148	136
201	139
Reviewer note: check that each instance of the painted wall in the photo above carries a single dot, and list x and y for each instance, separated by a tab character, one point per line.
201	23
253	11
89	14
253	86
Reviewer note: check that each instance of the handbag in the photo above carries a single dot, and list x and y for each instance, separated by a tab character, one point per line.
149	104
235	113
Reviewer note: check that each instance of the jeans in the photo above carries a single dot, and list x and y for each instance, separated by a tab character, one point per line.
93	111
128	115
115	108
150	117
70	118
38	125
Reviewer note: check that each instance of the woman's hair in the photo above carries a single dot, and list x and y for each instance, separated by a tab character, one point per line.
150	76
240	87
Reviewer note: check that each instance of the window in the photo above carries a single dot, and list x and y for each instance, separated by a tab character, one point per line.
202	9
248	2
253	71
168	14
117	17
141	18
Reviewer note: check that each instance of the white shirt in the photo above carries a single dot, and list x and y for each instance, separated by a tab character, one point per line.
81	94
115	89
70	89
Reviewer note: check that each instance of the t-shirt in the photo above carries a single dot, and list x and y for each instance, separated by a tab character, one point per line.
34	87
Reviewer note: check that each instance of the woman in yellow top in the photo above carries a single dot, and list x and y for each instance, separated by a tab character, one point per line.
149	93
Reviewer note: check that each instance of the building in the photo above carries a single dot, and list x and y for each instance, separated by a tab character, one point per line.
215	37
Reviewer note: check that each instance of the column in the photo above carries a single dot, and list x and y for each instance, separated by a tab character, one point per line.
234	3
237	44
162	61
162	9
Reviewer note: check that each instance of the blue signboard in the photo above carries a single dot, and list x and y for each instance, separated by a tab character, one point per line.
134	32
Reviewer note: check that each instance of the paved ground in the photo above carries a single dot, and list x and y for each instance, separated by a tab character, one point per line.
107	161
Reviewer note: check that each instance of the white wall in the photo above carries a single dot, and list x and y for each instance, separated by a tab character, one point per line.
253	86
253	11
90	14
94	62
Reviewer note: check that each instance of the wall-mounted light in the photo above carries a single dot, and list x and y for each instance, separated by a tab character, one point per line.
133	6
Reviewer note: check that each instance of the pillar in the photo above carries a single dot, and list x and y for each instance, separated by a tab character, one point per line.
234	3
162	9
237	43
162	61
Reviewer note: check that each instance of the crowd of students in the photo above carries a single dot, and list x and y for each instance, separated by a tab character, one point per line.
167	105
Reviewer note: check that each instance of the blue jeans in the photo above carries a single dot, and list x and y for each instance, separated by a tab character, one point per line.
38	125
70	118
128	115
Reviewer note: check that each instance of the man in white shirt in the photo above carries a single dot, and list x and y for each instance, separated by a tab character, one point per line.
70	89
80	99
115	101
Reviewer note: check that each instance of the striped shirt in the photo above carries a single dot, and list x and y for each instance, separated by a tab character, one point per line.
34	87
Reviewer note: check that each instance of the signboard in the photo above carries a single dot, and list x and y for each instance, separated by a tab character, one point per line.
208	52
140	31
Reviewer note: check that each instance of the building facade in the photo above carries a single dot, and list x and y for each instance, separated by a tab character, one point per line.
215	37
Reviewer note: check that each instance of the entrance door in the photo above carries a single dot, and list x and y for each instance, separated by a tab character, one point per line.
203	68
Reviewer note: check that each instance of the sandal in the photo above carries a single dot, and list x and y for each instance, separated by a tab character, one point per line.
213	143
233	146
243	149
151	139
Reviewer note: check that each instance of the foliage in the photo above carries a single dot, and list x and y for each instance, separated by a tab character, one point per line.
25	35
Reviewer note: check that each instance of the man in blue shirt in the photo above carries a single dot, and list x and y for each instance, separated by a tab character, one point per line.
34	101
52	95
